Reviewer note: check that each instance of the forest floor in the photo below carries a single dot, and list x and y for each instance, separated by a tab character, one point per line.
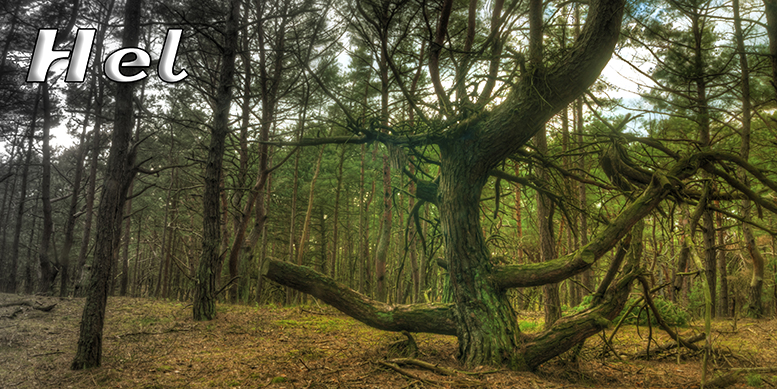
155	344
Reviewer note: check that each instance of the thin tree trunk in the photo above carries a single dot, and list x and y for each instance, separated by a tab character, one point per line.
136	273
261	212
31	263
290	293
65	282
362	250
518	215
336	222
588	276
208	271
10	283
48	265
95	152
702	110
723	296
770	10
292	224
679	285
755	290
120	171
124	278
309	213
7	205
242	174
544	204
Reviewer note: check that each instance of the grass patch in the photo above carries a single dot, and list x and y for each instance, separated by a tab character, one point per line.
529	326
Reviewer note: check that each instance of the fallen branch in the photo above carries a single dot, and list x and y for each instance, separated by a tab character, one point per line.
44	308
408	374
46	354
753	370
670	345
723	381
13	314
426	365
660	319
436	368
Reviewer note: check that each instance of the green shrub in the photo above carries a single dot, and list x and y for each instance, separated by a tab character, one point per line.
673	315
753	379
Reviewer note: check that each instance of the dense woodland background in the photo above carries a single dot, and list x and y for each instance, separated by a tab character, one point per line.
308	72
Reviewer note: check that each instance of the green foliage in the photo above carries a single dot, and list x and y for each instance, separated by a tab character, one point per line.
278	380
696	299
585	304
754	380
529	326
673	315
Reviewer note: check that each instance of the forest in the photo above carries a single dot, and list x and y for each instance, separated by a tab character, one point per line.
509	180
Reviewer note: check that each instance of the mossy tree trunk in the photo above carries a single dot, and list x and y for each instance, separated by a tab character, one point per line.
486	324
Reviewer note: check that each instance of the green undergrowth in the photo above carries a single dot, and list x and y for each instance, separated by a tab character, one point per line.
529	326
673	314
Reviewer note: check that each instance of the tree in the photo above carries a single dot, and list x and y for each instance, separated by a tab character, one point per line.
470	147
210	259
755	291
121	170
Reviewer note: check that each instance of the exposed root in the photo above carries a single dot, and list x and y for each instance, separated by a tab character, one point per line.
404	347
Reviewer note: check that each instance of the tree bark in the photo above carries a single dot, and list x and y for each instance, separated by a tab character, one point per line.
770	9
431	318
124	278
336	221
208	271
48	266
17	146
486	325
67	246
94	152
701	106
11	274
120	171
303	240
755	291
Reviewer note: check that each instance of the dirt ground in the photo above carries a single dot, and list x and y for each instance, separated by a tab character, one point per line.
155	344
